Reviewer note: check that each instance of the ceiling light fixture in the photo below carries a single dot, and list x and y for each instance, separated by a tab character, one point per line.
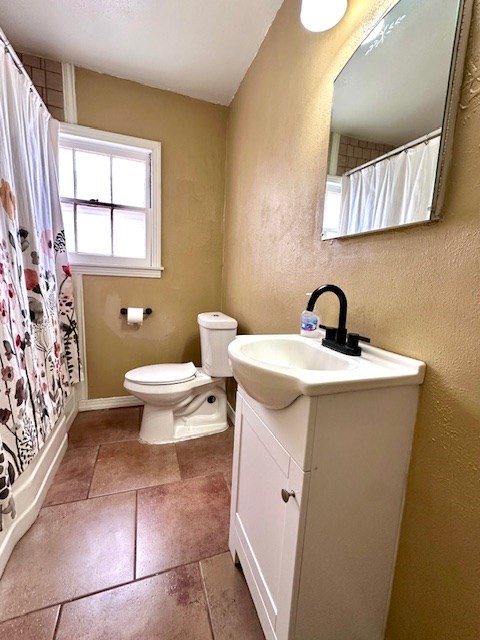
321	15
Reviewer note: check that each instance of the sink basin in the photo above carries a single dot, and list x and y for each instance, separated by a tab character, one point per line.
295	353
276	369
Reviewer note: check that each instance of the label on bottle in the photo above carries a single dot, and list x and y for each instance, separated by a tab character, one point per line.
309	325
309	322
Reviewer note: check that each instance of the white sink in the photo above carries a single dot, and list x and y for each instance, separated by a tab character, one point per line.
277	369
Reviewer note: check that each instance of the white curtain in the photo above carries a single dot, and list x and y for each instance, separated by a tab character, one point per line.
37	323
395	191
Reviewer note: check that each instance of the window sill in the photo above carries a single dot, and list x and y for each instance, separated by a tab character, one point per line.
129	272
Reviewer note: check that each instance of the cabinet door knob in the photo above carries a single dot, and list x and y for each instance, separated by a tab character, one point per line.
286	495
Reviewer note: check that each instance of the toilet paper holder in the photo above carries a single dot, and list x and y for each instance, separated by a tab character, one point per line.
146	312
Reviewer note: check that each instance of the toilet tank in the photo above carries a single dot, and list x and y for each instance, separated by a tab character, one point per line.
217	330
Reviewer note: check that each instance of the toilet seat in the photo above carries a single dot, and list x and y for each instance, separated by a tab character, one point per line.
162	374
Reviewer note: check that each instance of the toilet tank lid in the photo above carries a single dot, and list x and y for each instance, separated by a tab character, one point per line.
216	320
162	373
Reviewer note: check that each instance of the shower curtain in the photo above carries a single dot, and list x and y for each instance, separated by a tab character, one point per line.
38	332
390	192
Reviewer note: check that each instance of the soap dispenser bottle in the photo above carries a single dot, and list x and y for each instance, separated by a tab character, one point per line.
309	324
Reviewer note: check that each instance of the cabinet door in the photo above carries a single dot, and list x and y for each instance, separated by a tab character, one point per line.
264	528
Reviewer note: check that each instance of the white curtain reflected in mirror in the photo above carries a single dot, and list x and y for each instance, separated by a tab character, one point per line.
392	191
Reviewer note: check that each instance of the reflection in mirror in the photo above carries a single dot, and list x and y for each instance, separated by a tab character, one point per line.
392	105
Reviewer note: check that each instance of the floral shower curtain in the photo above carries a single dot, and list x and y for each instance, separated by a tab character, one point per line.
38	332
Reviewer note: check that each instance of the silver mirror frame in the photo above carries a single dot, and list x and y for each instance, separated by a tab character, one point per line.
451	106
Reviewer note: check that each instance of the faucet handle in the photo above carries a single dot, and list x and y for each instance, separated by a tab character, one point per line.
352	347
330	333
354	338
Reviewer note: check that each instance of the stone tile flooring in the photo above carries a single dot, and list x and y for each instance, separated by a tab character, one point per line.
131	543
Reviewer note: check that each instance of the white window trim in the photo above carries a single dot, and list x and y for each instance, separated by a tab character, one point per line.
96	265
69	96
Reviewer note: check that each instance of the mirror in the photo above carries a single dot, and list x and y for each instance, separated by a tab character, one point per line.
392	121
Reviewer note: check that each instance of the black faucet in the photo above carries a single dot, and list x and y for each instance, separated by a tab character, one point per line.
337	338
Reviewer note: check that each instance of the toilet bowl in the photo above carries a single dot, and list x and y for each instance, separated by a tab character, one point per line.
183	401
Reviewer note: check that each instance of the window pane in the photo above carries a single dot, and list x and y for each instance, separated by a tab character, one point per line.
129	234
331	212
129	182
65	170
93	176
68	225
94	230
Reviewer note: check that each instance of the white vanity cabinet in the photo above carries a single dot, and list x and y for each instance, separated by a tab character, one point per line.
320	566
263	525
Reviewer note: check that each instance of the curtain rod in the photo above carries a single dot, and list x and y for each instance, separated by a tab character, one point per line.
20	68
394	152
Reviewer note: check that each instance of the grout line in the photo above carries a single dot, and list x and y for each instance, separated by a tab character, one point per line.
57	622
74	445
58	504
136	489
135	532
62	603
131	489
160	484
179	566
204	586
93	471
26	613
178	462
106	495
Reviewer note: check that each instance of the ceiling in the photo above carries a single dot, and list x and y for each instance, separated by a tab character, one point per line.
198	48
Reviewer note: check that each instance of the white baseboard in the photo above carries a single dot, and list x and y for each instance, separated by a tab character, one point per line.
109	403
127	401
71	408
230	413
30	489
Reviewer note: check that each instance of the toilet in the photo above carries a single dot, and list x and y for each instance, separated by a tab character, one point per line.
183	401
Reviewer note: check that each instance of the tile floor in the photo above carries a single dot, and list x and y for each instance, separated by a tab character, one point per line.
131	543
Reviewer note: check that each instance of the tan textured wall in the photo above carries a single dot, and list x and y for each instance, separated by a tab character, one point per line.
414	291
192	134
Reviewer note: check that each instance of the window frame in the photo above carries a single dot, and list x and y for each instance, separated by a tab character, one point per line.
333	185
90	264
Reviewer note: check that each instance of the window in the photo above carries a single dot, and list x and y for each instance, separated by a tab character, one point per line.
331	211
110	196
